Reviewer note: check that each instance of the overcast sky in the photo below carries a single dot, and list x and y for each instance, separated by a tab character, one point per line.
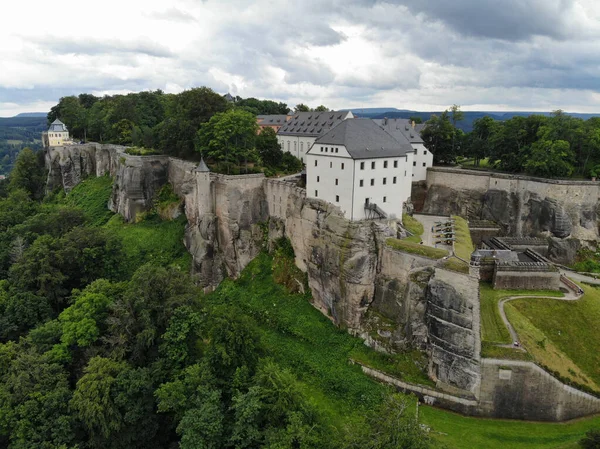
419	54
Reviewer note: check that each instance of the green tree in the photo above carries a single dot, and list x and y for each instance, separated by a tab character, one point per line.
550	159
479	141
268	147
301	107
228	136
29	174
321	109
438	136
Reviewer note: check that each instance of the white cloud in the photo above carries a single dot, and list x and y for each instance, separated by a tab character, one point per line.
484	54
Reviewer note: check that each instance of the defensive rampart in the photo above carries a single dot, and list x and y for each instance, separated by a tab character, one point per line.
521	205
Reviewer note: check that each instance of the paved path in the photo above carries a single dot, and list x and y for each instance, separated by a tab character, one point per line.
580	277
571	295
428	221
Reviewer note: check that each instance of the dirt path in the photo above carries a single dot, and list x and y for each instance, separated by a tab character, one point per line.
571	295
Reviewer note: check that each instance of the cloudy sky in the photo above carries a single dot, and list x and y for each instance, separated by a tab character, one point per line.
418	54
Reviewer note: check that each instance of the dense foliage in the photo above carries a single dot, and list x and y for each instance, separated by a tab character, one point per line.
559	146
105	342
17	133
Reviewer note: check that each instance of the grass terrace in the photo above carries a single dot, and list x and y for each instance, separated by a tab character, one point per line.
413	226
139	151
416	248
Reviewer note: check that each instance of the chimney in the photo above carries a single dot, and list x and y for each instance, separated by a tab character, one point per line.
413	124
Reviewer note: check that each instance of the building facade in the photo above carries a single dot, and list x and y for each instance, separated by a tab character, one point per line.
272	121
57	135
361	169
406	131
300	132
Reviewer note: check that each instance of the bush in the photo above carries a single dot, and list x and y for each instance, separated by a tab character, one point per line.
138	151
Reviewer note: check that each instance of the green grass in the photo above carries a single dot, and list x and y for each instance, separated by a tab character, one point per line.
492	351
152	240
138	151
571	326
413	226
455	264
416	248
493	329
299	337
91	195
459	432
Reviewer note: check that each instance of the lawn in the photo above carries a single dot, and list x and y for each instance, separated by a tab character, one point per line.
463	246
413	226
569	326
416	248
493	329
458	431
92	195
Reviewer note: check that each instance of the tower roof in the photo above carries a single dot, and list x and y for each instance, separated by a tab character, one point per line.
202	167
58	126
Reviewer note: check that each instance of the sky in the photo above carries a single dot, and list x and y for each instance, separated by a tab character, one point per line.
490	55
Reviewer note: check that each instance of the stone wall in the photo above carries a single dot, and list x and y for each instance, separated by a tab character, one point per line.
522	390
521	205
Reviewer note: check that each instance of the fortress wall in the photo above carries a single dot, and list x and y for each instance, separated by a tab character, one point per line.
523	390
521	205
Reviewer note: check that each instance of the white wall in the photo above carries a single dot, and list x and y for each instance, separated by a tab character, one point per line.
57	138
298	145
423	160
348	193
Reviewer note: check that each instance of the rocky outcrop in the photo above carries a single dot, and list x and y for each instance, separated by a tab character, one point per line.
521	205
453	332
69	165
137	180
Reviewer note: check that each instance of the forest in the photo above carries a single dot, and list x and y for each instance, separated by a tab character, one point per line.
106	342
17	133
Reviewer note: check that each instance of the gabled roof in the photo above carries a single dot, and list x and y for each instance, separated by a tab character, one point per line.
363	139
57	126
401	129
313	124
278	119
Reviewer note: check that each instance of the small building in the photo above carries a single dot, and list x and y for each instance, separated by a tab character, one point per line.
361	169
406	131
272	121
57	135
303	128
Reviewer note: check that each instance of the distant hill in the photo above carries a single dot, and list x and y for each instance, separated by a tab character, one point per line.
469	116
364	112
32	114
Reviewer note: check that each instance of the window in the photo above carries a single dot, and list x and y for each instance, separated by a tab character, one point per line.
414	163
336	181
424	164
425	152
384	164
384	181
362	165
318	178
288	146
394	180
366	200
331	165
342	165
326	150
385	199
316	193
302	146
372	165
361	183
295	147
395	164
372	182
404	172
316	162
321	149
337	198
336	150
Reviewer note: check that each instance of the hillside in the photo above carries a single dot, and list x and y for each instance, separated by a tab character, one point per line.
17	133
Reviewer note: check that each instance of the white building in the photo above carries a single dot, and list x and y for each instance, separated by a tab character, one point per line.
57	135
362	169
406	131
299	133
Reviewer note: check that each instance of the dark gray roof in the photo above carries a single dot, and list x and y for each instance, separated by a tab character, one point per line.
401	129
272	119
202	167
57	126
363	139
312	124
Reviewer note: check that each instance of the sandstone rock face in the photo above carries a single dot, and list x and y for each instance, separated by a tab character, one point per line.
522	206
453	332
69	165
563	251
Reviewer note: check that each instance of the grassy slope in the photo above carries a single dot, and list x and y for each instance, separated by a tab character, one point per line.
152	240
569	326
414	226
463	246
416	248
493	329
